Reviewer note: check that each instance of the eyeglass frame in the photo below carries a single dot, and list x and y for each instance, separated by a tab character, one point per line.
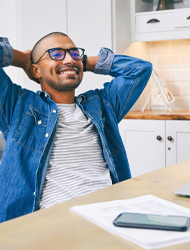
65	50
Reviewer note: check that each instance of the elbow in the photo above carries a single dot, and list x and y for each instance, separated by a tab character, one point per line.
148	67
147	70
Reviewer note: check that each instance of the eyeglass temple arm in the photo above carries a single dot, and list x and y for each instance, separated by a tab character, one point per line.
41	56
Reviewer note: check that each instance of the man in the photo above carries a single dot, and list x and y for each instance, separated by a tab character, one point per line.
59	146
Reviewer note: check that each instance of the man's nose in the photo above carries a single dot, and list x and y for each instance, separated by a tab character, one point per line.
68	58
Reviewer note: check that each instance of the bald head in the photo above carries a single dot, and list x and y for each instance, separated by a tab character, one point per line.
39	46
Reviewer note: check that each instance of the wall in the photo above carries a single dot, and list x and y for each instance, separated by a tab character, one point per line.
172	62
8	28
140	50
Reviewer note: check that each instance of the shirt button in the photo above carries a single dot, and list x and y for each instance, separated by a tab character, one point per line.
34	193
39	122
54	111
45	95
46	135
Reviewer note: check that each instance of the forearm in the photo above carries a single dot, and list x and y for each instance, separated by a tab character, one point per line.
91	62
23	60
104	62
20	59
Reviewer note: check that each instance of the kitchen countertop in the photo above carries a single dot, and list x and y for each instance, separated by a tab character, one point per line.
159	115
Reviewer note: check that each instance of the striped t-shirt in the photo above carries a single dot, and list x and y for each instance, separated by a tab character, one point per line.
76	165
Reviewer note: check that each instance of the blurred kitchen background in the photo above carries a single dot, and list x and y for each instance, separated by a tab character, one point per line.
118	24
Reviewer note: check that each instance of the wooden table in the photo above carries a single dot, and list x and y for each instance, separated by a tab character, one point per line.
58	228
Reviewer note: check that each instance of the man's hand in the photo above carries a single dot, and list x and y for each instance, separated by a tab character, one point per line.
27	65
23	60
91	62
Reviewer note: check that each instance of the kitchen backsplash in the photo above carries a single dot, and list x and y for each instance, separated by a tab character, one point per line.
172	62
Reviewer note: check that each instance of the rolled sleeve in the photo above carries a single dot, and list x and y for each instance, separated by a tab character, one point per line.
6	52
104	63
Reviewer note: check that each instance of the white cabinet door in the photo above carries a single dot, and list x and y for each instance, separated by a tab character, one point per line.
147	24
144	142
177	141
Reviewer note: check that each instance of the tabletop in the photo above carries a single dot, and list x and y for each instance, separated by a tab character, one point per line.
59	228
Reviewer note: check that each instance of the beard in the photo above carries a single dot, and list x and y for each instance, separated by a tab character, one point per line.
60	86
58	81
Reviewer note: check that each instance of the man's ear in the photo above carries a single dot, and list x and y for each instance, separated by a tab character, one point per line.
35	70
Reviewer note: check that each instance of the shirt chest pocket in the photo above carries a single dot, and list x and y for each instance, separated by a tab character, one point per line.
32	130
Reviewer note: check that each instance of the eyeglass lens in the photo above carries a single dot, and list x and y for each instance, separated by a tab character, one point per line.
59	54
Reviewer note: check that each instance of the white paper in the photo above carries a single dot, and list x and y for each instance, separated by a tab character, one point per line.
104	213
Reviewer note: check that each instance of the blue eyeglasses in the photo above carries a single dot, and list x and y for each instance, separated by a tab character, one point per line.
58	54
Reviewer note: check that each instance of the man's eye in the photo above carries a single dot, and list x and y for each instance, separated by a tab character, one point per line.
57	55
75	54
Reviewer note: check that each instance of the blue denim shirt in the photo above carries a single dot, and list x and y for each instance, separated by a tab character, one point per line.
29	143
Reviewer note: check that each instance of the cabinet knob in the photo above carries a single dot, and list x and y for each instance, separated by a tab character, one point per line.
159	138
169	138
188	18
154	20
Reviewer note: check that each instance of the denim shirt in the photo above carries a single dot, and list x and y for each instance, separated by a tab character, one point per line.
29	122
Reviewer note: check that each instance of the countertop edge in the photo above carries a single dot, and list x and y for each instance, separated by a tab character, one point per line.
159	115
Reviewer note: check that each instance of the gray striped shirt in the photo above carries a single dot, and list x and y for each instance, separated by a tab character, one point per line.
76	165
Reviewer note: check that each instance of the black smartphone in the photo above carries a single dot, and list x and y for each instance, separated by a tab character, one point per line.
150	221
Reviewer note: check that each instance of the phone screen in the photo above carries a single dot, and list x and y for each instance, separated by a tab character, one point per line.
177	223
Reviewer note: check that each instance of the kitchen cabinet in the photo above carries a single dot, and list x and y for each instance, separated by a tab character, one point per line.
177	141
147	24
154	144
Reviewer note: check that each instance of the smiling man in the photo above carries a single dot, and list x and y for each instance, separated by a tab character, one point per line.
54	76
59	146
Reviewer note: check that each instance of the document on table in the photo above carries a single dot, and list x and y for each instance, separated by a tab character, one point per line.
104	213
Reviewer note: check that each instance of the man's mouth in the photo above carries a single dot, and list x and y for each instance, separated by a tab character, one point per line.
67	72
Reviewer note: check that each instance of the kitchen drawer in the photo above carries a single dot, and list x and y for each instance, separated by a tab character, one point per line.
182	19
154	22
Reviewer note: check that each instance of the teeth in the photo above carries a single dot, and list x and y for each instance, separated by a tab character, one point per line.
68	72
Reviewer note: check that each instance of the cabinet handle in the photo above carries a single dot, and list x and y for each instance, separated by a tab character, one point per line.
188	18
159	138
169	138
153	21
